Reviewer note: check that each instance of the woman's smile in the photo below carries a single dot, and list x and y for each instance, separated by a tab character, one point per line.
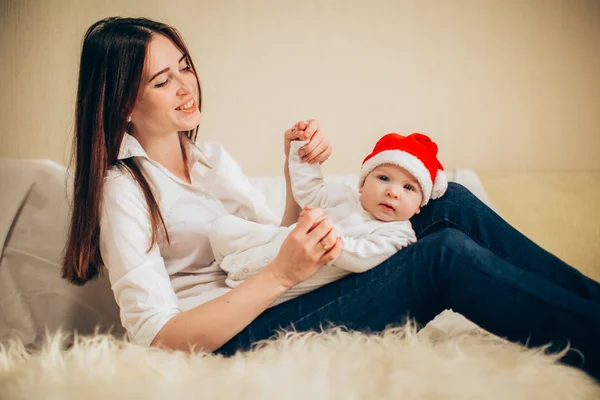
189	107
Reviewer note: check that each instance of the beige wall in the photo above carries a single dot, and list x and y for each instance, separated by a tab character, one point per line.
498	84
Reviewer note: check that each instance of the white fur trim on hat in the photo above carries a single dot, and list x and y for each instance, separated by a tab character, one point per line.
405	160
439	185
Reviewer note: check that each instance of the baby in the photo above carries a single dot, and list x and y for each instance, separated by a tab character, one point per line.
400	176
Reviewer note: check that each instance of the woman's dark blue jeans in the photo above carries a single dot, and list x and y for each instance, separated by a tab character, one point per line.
467	259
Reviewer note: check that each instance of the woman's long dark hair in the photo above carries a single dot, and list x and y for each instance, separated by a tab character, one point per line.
112	61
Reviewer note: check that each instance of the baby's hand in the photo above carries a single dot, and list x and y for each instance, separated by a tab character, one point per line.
296	132
299	131
305	210
318	148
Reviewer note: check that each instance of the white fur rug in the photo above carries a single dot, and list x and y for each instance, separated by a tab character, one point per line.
397	364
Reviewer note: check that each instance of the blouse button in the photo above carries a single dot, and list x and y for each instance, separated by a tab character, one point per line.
246	270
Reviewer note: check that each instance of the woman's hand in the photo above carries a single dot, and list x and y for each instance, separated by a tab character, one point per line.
309	246
318	149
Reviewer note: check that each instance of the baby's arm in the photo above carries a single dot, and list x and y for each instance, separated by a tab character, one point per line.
309	186
362	254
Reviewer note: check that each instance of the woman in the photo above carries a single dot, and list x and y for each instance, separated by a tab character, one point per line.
145	194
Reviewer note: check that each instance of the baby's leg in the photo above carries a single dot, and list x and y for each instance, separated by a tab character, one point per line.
241	266
231	235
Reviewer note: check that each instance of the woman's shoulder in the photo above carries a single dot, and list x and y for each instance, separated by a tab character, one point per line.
217	156
120	184
213	151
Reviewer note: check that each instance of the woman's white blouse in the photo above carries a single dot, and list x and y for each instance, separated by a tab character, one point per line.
152	286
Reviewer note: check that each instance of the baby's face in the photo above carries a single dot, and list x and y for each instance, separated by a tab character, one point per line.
390	193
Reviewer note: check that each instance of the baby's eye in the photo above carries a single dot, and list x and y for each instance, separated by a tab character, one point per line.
409	187
383	178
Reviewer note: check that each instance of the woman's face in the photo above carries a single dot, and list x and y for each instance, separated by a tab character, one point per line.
168	96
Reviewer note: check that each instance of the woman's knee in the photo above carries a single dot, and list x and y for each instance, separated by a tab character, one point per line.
448	244
456	191
456	196
436	249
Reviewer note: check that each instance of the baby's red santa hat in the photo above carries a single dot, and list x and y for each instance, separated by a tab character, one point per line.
417	154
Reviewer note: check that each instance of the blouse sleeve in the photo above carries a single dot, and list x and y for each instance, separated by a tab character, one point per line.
139	280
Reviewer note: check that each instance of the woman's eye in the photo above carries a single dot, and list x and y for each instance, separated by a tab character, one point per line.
162	83
187	68
383	178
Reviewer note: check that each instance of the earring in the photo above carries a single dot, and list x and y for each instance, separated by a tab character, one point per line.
129	120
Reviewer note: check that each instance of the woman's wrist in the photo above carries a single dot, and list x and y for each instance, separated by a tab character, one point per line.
276	279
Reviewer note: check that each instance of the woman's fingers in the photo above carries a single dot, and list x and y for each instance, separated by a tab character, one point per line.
312	127
308	220
334	252
309	147
329	240
318	149
322	157
311	244
317	227
319	153
319	232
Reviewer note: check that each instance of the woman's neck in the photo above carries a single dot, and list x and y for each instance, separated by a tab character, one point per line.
167	151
